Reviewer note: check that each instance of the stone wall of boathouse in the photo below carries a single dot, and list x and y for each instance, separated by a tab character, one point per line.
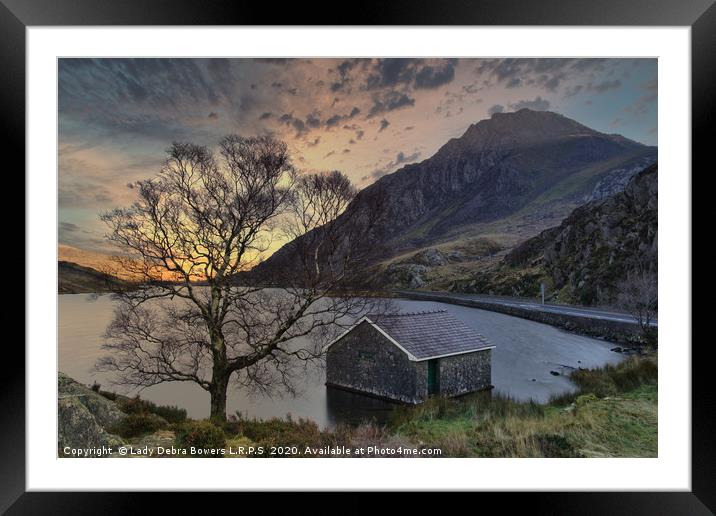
468	372
365	361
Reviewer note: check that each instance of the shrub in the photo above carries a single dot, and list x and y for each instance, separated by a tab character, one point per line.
613	379
171	413
205	438
564	399
134	425
554	445
585	399
112	396
136	405
283	433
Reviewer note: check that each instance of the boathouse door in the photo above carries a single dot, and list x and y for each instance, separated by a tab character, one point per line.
433	377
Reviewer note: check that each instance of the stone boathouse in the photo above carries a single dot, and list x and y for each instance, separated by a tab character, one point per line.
409	356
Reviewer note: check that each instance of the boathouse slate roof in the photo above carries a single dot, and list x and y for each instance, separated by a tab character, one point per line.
430	334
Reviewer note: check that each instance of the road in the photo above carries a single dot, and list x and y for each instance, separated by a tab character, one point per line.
528	304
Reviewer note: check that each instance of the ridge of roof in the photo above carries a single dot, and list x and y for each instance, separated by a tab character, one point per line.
406	314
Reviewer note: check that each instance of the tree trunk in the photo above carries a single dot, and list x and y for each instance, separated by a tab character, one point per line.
218	399
220	375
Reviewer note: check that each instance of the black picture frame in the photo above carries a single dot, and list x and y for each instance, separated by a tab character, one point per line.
17	15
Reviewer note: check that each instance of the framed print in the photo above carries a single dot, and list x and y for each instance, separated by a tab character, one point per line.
434	242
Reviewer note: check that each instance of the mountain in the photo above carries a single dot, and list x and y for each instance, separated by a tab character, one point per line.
76	279
93	259
584	259
507	177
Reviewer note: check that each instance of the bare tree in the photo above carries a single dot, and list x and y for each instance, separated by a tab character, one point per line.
638	295
196	314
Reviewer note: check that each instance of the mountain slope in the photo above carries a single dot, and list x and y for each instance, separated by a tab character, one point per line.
508	177
589	254
76	279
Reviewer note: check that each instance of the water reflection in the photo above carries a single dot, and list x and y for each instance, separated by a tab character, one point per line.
350	408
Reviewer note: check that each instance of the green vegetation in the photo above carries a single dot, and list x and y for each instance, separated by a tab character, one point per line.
200	435
612	414
170	413
505	281
143	417
135	425
136	405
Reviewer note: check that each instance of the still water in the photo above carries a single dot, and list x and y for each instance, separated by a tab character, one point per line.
526	353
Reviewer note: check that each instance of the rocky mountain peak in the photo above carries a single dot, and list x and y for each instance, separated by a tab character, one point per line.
522	128
520	171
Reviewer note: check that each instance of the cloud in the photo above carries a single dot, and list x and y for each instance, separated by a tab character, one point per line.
344	78
642	104
68	227
471	88
604	86
544	73
391	72
390	101
497	108
129	110
416	73
430	77
538	104
337	119
272	60
400	159
313	121
83	194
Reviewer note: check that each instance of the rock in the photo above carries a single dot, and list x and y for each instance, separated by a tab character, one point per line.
106	412
617	180
83	416
600	244
408	274
491	173
430	257
78	428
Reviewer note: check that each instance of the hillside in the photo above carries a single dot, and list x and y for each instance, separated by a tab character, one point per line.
584	259
505	179
77	279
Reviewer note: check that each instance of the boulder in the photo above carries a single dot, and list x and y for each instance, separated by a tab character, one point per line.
407	274
430	257
83	416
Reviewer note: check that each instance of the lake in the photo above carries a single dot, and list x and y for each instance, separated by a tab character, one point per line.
526	352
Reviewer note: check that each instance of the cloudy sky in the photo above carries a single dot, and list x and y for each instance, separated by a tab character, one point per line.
366	117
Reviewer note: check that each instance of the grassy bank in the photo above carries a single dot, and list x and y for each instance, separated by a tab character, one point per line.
613	413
